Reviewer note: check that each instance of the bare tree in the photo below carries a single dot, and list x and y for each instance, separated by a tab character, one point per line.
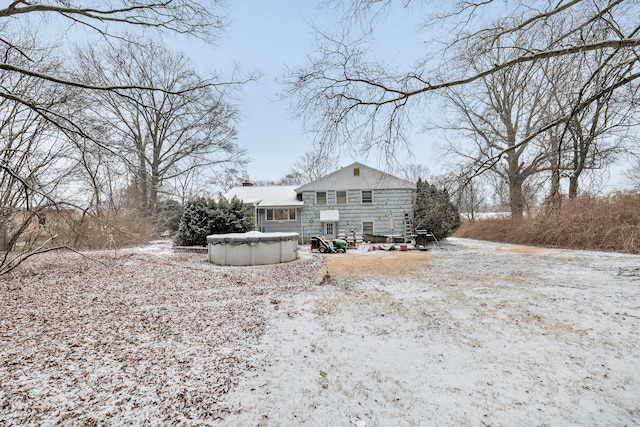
593	136
311	166
347	98
39	101
413	171
499	113
196	18
33	161
633	173
230	178
469	195
100	175
161	134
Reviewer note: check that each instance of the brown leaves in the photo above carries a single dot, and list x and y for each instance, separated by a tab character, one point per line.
149	338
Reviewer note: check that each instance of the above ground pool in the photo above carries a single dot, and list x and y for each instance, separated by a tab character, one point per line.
252	248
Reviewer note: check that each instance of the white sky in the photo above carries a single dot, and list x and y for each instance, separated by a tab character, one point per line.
270	36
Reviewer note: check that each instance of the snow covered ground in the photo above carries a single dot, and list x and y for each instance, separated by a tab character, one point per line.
471	333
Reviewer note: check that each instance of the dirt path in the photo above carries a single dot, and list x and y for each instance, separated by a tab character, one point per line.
393	263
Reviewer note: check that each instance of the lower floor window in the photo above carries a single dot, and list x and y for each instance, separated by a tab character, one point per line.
329	228
367	227
281	214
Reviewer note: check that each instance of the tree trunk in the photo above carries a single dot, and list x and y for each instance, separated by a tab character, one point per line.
554	199
516	197
3	237
152	204
143	184
573	186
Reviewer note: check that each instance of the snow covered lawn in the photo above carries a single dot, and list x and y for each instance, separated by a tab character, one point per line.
471	333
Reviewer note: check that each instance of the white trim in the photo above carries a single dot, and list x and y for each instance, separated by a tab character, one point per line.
288	210
373	224
326	198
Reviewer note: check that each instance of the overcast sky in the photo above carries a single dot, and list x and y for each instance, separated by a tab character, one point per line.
270	36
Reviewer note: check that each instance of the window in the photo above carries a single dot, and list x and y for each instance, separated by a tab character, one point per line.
328	227
356	171
321	198
341	197
281	214
367	227
367	196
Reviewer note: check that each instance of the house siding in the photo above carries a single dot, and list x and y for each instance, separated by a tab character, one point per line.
278	226
398	202
389	196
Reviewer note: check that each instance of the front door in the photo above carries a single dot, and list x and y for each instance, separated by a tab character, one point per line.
330	230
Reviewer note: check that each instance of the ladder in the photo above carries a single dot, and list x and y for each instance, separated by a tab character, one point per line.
408	230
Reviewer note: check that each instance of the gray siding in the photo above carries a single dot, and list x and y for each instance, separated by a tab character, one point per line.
279	226
398	202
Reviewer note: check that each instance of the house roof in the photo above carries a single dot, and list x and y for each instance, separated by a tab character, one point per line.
272	196
367	178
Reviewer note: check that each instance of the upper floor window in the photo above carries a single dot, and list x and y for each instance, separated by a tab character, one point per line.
356	171
367	196
321	198
341	197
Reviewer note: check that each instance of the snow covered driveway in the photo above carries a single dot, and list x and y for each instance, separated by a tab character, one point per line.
471	333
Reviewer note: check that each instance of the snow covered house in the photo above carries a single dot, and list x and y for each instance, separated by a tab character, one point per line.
276	208
354	201
357	199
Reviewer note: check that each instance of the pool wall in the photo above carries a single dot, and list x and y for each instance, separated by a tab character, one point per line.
252	248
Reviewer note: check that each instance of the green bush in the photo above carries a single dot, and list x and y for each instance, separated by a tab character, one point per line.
203	216
434	212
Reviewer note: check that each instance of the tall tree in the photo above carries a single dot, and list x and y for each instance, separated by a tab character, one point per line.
311	166
500	113
182	125
33	164
595	135
413	171
38	96
349	98
201	18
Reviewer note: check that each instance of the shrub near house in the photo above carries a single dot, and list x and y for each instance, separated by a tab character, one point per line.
203	216
434	212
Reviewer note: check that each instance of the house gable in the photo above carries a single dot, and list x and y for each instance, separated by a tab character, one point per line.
356	176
